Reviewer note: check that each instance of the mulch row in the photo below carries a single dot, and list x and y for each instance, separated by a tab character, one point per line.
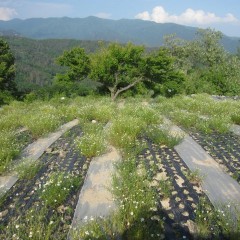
178	208
224	148
61	156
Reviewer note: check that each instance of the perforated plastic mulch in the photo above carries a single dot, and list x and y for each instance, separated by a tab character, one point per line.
165	165
224	148
61	156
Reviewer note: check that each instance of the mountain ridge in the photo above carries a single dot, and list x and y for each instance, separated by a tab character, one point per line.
93	28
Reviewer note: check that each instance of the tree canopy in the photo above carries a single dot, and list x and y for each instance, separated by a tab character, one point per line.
7	72
118	67
207	66
121	67
77	62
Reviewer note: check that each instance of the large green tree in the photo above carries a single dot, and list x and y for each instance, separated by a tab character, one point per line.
122	67
7	72
119	68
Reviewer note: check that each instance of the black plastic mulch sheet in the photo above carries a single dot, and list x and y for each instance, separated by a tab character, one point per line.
224	148
61	156
184	196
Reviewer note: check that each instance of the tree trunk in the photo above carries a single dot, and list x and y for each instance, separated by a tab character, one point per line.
115	93
113	97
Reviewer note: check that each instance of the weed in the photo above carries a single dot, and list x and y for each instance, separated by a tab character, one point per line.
223	221
96	229
124	131
236	175
135	217
162	136
58	187
27	169
200	112
236	118
194	176
135	200
42	121
97	110
34	225
9	149
165	188
93	142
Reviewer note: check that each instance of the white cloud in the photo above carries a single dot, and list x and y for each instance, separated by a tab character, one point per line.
103	15
189	16
7	13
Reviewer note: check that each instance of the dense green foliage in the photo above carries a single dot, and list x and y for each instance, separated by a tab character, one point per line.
118	67
205	63
78	65
7	72
121	67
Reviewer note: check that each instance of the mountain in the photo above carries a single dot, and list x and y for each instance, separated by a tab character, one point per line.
93	28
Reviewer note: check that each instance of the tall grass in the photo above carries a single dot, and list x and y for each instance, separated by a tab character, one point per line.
200	112
9	149
93	142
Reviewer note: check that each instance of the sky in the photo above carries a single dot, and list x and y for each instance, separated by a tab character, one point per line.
222	15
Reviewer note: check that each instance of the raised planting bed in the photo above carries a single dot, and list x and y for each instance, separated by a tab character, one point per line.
180	196
224	148
41	205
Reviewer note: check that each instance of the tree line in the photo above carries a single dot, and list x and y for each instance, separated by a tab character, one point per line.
178	67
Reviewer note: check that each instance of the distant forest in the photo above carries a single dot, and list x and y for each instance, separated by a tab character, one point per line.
35	59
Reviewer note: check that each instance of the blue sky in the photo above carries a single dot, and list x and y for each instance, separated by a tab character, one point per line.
223	15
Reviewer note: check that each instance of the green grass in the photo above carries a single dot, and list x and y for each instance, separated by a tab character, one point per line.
58	187
162	136
93	142
200	112
33	225
27	169
210	222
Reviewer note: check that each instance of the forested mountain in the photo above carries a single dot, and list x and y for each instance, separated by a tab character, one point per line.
35	59
93	28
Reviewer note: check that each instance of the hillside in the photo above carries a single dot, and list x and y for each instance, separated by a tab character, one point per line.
35	59
93	28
